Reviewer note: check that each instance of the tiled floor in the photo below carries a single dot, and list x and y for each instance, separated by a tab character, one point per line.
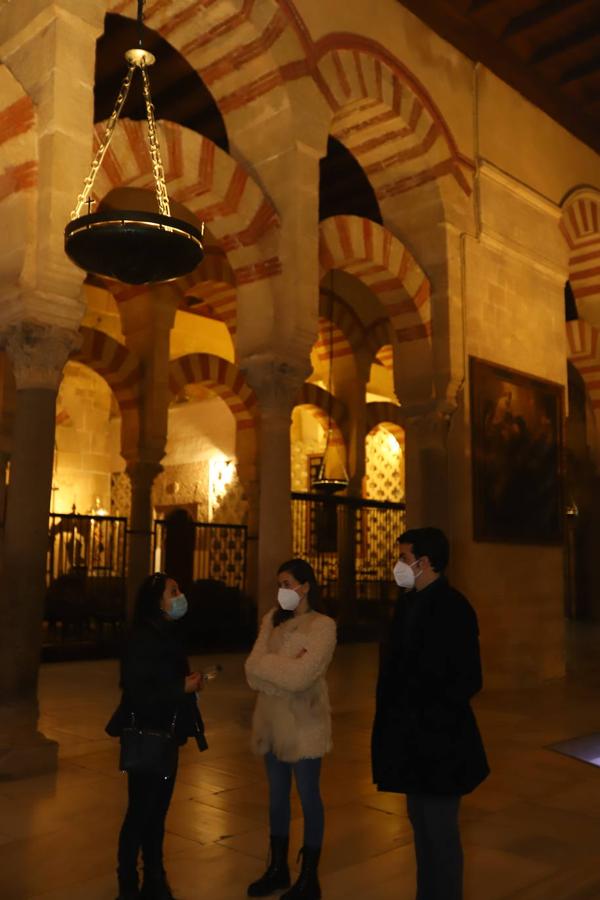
531	832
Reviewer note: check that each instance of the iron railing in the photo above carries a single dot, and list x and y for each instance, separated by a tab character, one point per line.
216	552
351	544
86	570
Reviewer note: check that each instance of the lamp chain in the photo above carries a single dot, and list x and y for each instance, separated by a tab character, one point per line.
106	139
157	167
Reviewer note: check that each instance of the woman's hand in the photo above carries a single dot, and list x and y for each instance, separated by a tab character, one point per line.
193	683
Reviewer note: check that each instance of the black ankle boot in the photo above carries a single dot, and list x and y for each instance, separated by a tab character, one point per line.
156	887
277	875
128	889
307	886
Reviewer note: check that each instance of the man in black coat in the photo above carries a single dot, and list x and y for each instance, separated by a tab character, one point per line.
425	742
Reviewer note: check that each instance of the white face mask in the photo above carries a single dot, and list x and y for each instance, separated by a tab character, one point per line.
404	575
288	599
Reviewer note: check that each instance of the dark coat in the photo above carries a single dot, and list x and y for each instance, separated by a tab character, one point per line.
153	671
425	737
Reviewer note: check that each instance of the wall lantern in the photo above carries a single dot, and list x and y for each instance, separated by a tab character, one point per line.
133	246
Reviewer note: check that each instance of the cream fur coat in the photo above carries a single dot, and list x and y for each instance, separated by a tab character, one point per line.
287	667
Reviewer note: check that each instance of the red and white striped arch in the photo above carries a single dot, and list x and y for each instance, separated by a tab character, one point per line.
246	51
349	332
222	378
329	334
240	48
385	356
386	119
208	182
119	366
580	225
18	173
378	259
381	413
379	337
583	349
213	285
319	402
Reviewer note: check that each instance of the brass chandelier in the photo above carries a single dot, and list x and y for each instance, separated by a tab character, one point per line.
133	246
324	483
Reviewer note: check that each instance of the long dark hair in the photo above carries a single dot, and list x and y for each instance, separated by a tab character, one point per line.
303	572
148	599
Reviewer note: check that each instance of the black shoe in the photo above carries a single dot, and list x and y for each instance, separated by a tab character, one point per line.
277	875
128	889
307	886
156	887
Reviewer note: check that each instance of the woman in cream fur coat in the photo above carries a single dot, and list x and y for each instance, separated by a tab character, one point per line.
292	721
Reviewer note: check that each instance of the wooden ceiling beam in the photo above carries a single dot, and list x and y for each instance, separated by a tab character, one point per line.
582	70
540	14
470	37
582	35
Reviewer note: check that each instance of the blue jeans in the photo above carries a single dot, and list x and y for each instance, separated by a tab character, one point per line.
307	773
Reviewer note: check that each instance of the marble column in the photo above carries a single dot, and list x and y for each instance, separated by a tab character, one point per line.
141	474
38	354
276	384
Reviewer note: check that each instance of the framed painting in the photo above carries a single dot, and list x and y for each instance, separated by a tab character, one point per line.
517	456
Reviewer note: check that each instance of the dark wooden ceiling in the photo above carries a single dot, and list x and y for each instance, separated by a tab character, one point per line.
549	50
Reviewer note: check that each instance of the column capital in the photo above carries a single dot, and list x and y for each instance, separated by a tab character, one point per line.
140	470
38	353
275	381
430	427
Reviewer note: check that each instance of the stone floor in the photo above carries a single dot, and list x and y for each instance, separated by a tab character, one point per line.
531	832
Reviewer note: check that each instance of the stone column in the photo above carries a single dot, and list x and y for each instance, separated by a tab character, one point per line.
276	384
427	470
38	354
352	391
147	319
141	474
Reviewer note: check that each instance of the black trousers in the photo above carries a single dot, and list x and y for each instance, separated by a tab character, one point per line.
437	846
144	827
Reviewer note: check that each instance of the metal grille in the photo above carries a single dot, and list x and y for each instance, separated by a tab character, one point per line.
321	534
219	552
85	569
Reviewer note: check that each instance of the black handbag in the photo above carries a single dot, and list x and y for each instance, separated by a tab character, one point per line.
147	751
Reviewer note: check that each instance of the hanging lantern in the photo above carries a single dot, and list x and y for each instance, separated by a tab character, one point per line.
130	245
322	483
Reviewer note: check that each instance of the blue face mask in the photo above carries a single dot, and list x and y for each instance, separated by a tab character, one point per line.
179	607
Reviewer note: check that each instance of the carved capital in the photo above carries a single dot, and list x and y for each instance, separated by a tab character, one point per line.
38	353
142	473
275	381
430	429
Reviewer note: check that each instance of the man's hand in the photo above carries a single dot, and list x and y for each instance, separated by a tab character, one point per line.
193	683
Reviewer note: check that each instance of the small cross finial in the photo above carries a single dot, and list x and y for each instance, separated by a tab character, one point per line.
90	203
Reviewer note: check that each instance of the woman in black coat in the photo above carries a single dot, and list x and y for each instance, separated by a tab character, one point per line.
157	690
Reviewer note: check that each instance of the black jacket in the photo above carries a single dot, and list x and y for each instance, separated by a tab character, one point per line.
425	737
153	671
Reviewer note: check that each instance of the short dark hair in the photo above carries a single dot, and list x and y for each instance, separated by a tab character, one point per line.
303	572
147	602
429	542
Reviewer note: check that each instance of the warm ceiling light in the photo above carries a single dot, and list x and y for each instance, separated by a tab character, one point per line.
133	246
